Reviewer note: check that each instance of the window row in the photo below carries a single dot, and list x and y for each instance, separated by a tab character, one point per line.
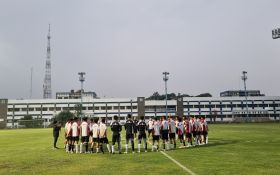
232	106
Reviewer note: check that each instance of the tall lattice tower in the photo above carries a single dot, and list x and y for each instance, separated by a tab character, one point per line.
47	87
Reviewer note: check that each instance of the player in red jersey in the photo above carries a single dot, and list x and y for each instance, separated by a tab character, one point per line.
172	132
204	130
188	131
68	135
103	136
180	131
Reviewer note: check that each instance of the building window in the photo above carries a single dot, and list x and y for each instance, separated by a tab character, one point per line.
90	108
58	108
134	107
103	107
38	109
128	107
122	107
116	108
109	107
96	108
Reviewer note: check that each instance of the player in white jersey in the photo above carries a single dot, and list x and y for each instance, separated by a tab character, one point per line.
156	134
95	134
68	135
204	130
180	131
84	130
103	136
75	135
188	131
150	126
164	133
172	132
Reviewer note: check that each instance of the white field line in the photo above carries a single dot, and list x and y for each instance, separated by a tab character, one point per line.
176	162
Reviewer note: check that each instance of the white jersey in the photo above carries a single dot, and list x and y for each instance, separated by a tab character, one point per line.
156	128
95	130
74	127
150	124
164	125
180	127
102	130
84	129
172	126
68	128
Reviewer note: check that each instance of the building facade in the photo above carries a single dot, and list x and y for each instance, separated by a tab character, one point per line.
220	108
241	93
74	95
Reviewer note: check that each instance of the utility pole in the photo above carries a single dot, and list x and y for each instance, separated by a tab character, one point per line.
82	79
244	78
165	79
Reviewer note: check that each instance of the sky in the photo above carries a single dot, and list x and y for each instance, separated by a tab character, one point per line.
123	46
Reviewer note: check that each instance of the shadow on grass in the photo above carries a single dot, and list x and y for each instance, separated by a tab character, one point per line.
214	143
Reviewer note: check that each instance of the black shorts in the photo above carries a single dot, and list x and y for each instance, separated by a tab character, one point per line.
75	139
181	137
104	140
84	139
171	135
189	135
95	140
194	133
116	138
198	133
155	138
69	138
129	136
164	135
205	133
142	136
150	131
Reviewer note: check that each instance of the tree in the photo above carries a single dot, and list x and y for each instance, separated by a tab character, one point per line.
64	116
204	95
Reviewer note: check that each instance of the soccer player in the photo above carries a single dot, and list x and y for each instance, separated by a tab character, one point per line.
84	130
188	131
116	137
142	127
150	126
68	135
130	129
95	133
180	131
172	132
204	129
156	134
164	133
75	135
193	122
135	123
103	136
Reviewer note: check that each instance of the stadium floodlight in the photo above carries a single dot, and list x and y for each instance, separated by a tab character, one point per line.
165	79
82	79
244	78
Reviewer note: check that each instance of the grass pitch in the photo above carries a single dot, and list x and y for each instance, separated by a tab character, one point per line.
232	149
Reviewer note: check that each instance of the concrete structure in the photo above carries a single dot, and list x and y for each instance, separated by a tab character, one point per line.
74	95
240	93
3	113
219	108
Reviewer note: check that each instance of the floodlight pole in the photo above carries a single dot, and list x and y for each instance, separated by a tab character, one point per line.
244	78
165	79
82	79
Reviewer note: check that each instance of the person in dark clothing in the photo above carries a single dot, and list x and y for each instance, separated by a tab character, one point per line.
130	128
56	130
142	127
116	137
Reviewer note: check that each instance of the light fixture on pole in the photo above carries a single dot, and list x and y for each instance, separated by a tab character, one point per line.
244	78
165	79
82	79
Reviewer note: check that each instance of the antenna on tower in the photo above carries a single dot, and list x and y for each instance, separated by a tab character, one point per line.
47	88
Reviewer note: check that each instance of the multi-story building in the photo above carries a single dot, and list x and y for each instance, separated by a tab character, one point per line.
220	108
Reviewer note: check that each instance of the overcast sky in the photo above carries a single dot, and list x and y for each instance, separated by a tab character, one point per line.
125	45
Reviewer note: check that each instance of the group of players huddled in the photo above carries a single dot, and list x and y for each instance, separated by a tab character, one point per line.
92	133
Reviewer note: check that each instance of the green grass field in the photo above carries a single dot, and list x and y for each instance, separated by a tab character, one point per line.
232	149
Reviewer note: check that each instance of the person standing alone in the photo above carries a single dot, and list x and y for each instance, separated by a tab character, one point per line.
56	130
